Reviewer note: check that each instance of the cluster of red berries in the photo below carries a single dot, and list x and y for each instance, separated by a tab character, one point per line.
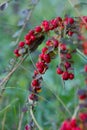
33	35
41	66
70	124
79	123
65	66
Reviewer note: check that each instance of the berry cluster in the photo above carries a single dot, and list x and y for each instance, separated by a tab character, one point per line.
65	66
70	124
41	66
32	38
75	124
79	122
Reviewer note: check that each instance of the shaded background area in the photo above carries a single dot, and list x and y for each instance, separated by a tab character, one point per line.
50	112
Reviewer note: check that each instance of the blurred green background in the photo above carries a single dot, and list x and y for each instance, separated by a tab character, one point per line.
50	111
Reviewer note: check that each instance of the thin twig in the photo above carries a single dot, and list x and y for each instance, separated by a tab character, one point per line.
75	112
32	115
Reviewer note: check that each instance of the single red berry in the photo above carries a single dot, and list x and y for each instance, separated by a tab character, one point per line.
68	56
41	70
35	83
41	56
56	43
40	64
71	20
44	50
35	72
85	68
70	33
27	127
32	37
27	37
67	65
46	58
63	47
83	116
82	97
71	76
65	75
16	52
31	32
59	19
28	42
49	43
21	44
66	125
54	23
59	70
45	25
73	122
38	29
32	96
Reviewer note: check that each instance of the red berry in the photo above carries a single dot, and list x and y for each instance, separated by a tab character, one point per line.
27	127
21	44
65	75
85	68
28	42
83	116
70	33
41	69
32	96
32	37
73	122
46	58
68	56
44	50
59	70
56	43
71	76
82	97
35	83
67	65
27	37
35	72
16	52
38	29
45	25
41	56
31	32
63	47
49	43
